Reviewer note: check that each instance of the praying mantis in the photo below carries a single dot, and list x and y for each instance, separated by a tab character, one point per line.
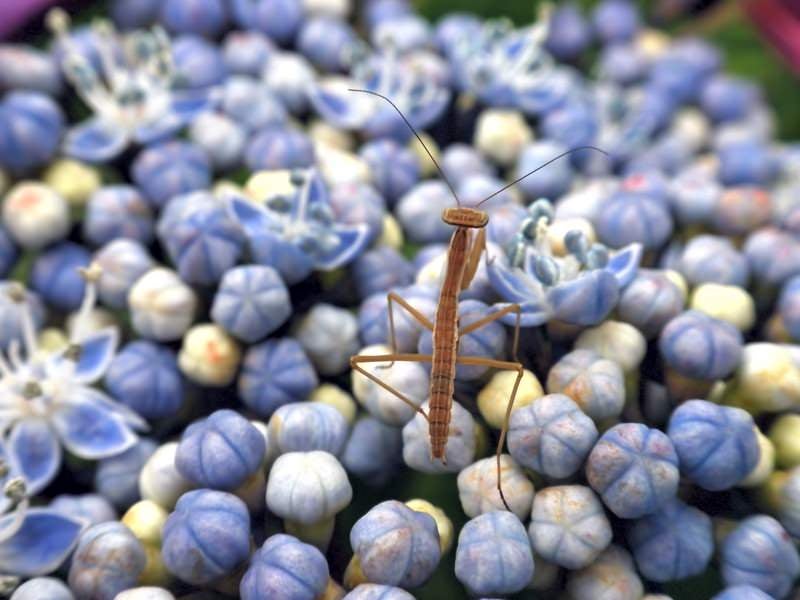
467	245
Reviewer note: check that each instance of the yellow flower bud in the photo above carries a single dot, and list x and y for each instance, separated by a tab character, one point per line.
652	42
353	575
209	355
317	534
146	520
155	573
725	302
559	228
443	523
494	397
224	187
679	281
4	181
323	132
333	591
336	397
617	341
767	379
252	492
765	465
52	339
392	234
339	167
769	494
265	184
785	435
73	180
427	168
501	135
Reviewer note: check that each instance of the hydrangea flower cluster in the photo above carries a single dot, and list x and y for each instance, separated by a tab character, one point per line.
187	273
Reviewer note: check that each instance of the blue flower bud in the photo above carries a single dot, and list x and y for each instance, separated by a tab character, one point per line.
373	317
460	161
108	560
569	526
251	302
246	52
359	203
419	211
596	384
28	68
92	508
307	487
221	138
726	98
117	478
394	168
379	270
494	555
207	537
629	217
134	14
650	301
717	445
551	436
280	147
674	543
610	577
31	125
623	63
740	210
760	553
789	307
615	20
568	33
307	426
700	347
326	40
56	278
396	545
42	587
634	469
252	105
199	17
375	591
275	373
373	451
122	262
459	449
170	168
285	567
145	376
550	182
712	259
279	19
773	255
198	63
221	451
746	163
117	211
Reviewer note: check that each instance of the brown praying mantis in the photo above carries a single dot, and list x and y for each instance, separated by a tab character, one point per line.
467	245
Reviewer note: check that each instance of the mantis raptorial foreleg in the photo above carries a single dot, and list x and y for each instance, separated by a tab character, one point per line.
418	317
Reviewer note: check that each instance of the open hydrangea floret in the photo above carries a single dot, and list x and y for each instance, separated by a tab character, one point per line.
421	98
298	233
581	288
510	68
134	92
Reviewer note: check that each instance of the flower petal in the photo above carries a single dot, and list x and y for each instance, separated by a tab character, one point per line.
532	314
41	544
34	452
514	285
97	352
94	141
423	114
187	104
351	241
339	106
586	300
89	430
158	130
624	264
252	218
89	394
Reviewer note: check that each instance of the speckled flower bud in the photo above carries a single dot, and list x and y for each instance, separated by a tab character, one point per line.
610	577
410	377
501	135
108	560
307	487
146	520
373	451
117	211
634	469
674	543
221	451
284	567
162	306
159	480
700	347
332	395
617	341
727	303
569	526
207	536
717	445
596	384
477	487
39	588
760	553
494	555
307	426
459	449
552	436
209	356
329	336
494	396
35	215
375	591
396	545
650	301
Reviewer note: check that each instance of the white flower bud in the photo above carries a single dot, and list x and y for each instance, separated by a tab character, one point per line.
501	135
616	341
209	355
160	481
162	305
725	302
35	215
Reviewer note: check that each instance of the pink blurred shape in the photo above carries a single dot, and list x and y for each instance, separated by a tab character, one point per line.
14	14
779	23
